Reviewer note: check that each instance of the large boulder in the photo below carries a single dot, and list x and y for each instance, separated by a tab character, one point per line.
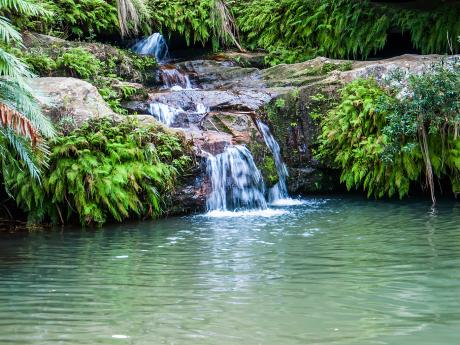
70	99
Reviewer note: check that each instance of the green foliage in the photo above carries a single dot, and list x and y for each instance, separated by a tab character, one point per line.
22	124
352	139
41	64
103	171
109	95
432	31
190	18
198	21
429	118
383	143
78	62
294	30
74	18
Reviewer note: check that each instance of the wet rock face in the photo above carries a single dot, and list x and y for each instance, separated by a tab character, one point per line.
211	74
223	102
214	100
190	196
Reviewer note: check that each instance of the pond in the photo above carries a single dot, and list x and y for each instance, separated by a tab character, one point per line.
333	270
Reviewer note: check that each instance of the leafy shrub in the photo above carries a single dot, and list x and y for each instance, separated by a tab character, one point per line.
41	64
103	171
78	62
353	141
383	143
293	30
428	117
75	18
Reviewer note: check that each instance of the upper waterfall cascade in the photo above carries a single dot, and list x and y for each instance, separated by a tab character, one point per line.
154	45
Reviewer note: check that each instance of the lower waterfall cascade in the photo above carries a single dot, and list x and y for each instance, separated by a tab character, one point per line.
236	182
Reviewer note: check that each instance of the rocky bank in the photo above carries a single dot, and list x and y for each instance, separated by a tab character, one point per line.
229	92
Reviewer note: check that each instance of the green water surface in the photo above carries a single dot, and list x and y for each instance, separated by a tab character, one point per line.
336	270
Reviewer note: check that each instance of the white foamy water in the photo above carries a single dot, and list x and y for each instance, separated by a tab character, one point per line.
236	182
268	212
154	45
287	202
164	113
175	80
201	108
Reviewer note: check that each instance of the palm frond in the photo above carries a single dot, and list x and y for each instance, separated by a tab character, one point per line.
11	66
24	7
8	33
21	109
17	146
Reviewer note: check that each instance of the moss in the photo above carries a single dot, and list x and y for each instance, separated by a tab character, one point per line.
269	172
102	65
296	123
263	159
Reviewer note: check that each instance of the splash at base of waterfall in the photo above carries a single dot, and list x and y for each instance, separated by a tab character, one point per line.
268	212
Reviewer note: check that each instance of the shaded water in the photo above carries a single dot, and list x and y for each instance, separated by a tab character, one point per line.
331	271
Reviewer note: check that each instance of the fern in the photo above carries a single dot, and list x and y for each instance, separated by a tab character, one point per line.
103	171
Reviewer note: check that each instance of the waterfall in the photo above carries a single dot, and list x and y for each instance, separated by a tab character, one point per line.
201	108
278	194
236	182
164	113
154	45
175	80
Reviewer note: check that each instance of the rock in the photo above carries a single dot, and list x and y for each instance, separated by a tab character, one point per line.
214	100
146	120
126	64
128	90
70	99
190	197
212	75
33	39
242	59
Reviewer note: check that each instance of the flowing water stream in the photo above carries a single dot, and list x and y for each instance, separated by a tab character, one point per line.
336	270
154	45
236	182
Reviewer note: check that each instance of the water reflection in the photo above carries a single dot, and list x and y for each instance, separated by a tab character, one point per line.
330	271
